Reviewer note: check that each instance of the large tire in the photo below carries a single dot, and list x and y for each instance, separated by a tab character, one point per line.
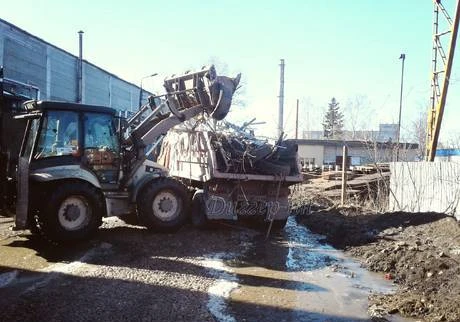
199	219
288	150
162	205
261	152
273	168
73	212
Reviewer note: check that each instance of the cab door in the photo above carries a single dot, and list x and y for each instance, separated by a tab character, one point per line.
101	150
22	201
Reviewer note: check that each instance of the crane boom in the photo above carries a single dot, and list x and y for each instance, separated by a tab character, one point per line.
438	98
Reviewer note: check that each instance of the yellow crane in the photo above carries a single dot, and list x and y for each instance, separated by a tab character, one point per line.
440	73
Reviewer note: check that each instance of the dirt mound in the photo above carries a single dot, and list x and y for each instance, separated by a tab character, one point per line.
419	252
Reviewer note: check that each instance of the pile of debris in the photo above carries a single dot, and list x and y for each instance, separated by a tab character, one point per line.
362	182
239	151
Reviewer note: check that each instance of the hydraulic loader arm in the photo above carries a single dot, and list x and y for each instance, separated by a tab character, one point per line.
186	96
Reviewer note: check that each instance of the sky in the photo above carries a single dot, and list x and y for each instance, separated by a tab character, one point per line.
332	48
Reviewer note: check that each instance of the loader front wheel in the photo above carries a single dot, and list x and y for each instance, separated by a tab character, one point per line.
162	205
73	212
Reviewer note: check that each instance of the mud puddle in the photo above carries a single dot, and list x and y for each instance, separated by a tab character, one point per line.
295	277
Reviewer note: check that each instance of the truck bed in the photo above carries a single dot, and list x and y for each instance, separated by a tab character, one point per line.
191	155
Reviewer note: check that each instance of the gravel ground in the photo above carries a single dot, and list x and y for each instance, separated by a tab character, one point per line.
126	273
226	274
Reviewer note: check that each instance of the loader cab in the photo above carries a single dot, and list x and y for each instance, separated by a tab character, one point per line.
64	143
63	134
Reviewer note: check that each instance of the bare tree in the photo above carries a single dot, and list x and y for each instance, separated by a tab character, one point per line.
419	132
357	113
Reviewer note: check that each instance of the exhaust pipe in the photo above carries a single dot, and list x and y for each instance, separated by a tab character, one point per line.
80	68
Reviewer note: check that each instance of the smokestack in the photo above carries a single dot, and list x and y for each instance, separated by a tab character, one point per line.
297	120
281	99
80	68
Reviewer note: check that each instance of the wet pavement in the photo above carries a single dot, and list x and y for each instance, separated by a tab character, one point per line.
227	274
297	277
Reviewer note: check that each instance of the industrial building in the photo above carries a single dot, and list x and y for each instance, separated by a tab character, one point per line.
34	68
385	133
447	155
329	152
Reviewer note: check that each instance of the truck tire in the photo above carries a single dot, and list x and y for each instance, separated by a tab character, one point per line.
162	205
288	150
73	212
261	152
199	219
273	168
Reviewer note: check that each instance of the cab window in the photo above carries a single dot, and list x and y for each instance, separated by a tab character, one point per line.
58	135
100	132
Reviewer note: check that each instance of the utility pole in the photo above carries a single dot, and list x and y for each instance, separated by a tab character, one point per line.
403	57
297	120
343	198
281	99
141	91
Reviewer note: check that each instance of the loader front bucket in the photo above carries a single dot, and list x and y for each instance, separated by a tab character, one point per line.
203	88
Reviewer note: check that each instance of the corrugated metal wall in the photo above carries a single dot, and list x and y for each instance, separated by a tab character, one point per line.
31	60
425	186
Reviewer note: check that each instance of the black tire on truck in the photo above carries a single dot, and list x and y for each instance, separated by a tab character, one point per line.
199	219
73	212
273	168
162	205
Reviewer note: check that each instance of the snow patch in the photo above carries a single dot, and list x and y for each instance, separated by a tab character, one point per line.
220	291
305	251
67	268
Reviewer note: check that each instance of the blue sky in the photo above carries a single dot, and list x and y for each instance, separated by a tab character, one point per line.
344	49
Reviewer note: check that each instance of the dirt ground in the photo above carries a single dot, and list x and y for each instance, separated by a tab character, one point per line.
419	252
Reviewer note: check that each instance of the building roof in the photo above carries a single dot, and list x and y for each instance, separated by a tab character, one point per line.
354	144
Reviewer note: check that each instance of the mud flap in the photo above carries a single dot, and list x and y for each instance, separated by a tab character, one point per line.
22	201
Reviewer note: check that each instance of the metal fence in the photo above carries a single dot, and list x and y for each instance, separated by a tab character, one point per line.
425	187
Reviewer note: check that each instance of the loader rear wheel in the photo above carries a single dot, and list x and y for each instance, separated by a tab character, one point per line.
163	204
73	212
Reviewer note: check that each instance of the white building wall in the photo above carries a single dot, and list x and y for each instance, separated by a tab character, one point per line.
425	186
311	151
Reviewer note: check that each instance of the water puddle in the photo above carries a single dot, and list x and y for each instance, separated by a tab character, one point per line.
294	277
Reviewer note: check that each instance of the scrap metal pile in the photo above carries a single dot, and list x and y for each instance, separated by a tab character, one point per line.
237	150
